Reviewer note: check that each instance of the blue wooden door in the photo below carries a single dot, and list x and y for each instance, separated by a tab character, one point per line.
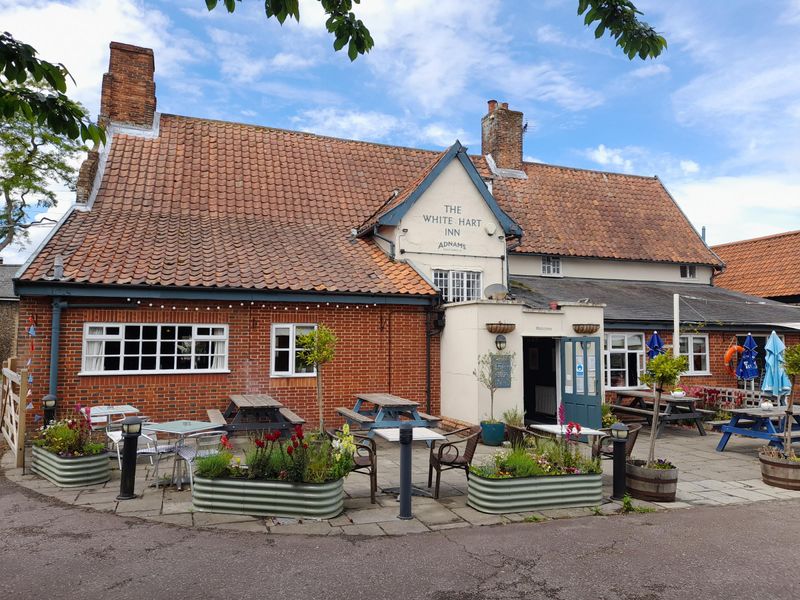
580	380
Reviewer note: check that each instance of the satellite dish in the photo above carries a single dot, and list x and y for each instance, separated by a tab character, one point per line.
496	291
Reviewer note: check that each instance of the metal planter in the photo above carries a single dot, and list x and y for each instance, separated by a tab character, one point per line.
269	498
498	496
78	471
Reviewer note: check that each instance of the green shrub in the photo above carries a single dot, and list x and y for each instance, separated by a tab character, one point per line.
69	437
214	466
608	416
514	417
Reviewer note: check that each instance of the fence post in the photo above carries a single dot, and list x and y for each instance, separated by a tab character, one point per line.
23	406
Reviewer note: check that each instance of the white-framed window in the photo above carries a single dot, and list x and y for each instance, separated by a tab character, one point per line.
138	348
688	272
624	358
285	354
695	348
551	265
458	286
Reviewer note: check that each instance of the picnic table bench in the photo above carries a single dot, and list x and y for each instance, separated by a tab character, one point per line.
675	408
381	411
759	423
258	412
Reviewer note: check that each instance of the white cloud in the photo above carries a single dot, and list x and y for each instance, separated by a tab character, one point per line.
689	167
19	250
791	14
610	157
650	70
77	34
441	134
740	207
355	125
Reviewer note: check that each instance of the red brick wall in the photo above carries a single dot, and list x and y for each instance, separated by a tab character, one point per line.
129	91
380	349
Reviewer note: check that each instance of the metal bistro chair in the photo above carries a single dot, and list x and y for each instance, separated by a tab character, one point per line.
451	456
603	446
365	459
195	446
149	446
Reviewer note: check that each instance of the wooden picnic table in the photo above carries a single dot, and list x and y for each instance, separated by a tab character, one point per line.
759	423
675	408
258	412
380	411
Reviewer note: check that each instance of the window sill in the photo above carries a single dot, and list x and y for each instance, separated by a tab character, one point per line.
697	374
551	275
172	372
291	376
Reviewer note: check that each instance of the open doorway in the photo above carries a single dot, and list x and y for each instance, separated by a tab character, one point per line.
539	379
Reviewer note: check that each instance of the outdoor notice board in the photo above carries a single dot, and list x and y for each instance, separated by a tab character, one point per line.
501	371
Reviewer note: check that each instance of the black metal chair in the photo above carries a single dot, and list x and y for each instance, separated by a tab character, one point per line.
451	456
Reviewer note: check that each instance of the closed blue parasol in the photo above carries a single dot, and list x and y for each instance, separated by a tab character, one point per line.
747	368
655	345
776	381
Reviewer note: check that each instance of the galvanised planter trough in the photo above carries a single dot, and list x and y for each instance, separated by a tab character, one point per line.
519	494
269	498
76	471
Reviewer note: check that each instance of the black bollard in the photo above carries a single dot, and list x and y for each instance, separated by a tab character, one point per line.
131	429
619	436
406	437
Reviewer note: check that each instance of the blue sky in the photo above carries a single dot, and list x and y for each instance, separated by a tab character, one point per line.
717	117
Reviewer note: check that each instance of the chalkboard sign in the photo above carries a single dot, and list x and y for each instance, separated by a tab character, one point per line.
501	370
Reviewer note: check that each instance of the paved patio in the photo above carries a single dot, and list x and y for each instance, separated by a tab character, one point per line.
706	478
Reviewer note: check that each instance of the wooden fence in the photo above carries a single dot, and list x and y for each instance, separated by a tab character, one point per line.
14	394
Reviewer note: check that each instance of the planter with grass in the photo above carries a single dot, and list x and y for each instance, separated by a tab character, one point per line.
302	477
64	455
514	420
550	474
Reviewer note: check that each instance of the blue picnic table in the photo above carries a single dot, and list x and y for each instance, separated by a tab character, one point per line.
380	411
761	423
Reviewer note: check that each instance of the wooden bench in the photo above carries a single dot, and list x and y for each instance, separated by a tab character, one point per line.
216	416
352	415
291	417
430	418
633	411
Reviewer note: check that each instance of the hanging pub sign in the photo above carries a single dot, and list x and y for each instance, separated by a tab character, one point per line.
501	370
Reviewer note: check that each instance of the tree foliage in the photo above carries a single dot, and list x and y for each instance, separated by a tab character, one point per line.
662	371
318	348
346	28
620	19
33	158
36	90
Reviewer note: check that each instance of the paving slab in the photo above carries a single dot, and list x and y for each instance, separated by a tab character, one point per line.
371	529
184	519
206	519
257	526
566	513
398	527
446	526
173	508
475	517
435	514
306	528
373	515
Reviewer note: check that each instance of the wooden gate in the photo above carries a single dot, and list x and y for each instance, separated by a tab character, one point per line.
12	410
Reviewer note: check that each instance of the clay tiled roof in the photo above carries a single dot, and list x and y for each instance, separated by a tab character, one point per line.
227	205
766	266
218	204
576	212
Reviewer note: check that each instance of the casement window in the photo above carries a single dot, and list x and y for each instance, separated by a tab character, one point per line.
551	265
285	361
135	348
688	272
624	358
458	286
695	348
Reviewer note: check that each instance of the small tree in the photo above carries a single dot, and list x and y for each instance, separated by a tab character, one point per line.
318	348
791	364
662	371
486	374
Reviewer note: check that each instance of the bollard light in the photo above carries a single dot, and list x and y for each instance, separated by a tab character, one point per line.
131	429
49	404
619	436
619	431
406	437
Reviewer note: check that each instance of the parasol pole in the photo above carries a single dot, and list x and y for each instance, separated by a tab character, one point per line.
676	325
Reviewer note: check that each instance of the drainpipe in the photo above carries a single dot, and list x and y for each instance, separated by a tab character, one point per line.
55	339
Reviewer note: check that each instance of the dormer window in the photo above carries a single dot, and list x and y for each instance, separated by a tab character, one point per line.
688	272
551	265
458	286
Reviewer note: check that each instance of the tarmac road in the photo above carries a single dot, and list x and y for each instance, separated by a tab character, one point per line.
49	550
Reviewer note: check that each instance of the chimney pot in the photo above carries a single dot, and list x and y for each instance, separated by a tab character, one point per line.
129	90
504	105
492	105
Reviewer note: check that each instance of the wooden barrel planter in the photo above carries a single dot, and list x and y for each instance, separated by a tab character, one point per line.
519	494
779	472
76	471
656	485
269	498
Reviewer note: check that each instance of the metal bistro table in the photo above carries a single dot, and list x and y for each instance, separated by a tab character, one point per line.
389	411
100	416
259	412
676	409
180	429
561	430
758	423
419	434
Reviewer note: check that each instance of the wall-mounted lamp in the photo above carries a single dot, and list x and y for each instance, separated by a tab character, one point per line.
500	342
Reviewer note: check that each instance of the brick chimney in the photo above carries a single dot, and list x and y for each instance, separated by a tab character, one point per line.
129	90
501	135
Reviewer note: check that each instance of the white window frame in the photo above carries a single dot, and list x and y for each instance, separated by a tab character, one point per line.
120	337
464	276
641	357
690	270
292	350
551	266
690	354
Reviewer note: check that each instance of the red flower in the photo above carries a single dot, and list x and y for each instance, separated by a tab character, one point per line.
305	445
294	439
289	450
298	431
226	443
296	443
259	443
